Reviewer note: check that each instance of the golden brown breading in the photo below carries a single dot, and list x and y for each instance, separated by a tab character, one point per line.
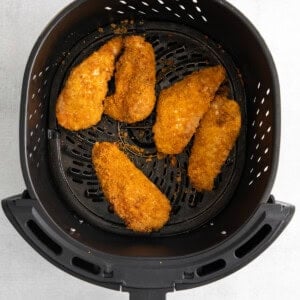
135	198
134	99
80	103
214	140
181	106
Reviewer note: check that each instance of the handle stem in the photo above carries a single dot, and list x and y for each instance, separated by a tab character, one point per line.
147	294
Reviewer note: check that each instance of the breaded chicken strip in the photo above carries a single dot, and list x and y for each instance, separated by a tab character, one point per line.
181	106
80	103
135	78
214	139
135	198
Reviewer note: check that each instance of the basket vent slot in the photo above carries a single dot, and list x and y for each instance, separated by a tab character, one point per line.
254	241
212	267
86	266
44	238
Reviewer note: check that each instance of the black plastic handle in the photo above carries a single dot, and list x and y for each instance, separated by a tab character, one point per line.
260	232
147	294
252	239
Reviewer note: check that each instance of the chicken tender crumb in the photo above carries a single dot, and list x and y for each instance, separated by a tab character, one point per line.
181	107
135	79
80	103
142	206
213	142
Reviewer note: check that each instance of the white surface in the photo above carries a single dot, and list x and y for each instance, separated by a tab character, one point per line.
26	275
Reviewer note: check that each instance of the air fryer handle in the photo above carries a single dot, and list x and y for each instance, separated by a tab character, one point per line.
148	294
262	229
18	210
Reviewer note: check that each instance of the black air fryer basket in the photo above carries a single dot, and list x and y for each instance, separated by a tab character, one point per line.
64	215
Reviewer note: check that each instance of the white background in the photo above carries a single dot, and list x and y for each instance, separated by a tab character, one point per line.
26	275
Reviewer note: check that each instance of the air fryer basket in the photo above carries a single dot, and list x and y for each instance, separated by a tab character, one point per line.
64	216
179	51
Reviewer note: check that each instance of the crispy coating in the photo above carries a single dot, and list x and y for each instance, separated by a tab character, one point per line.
181	106
135	199
214	140
80	104
134	99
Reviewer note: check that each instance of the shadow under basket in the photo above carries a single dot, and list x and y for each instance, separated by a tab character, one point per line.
63	213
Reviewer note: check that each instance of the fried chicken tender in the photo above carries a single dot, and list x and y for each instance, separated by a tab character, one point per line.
80	103
214	140
135	198
181	107
135	79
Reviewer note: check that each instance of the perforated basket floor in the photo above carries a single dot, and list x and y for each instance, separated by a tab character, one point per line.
179	51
